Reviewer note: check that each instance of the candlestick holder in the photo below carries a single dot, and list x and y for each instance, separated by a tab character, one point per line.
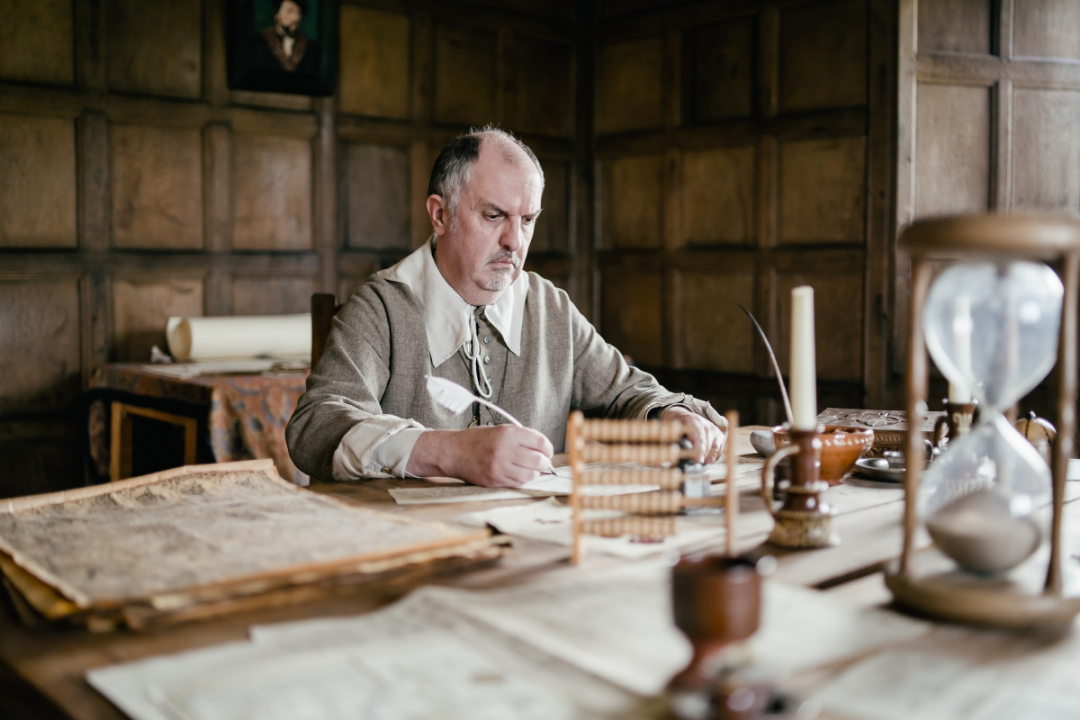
802	520
955	423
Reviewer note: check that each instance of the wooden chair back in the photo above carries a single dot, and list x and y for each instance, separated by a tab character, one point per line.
324	307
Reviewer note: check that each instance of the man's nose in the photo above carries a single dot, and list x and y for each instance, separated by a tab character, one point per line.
513	237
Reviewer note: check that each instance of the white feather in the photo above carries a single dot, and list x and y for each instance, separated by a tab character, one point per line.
457	399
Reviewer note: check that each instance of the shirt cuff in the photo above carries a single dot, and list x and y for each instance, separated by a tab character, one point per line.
372	448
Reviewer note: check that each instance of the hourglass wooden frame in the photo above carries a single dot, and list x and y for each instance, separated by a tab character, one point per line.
1010	238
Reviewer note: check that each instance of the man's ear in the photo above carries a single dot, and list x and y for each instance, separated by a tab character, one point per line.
439	214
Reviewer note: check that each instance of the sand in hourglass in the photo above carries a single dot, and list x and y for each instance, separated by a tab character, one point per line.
984	532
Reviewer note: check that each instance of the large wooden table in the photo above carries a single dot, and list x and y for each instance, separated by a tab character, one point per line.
43	669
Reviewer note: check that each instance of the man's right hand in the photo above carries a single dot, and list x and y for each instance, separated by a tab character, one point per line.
491	456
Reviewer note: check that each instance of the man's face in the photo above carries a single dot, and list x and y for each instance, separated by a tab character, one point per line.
288	17
483	251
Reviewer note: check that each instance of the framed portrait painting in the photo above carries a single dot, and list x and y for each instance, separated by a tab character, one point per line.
287	46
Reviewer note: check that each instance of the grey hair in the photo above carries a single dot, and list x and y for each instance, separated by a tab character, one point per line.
454	164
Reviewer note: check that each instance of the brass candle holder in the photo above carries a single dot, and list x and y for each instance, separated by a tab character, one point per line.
802	520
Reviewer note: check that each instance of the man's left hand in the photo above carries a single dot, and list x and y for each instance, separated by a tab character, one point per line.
708	440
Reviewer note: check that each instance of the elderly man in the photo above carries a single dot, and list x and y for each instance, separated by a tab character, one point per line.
461	308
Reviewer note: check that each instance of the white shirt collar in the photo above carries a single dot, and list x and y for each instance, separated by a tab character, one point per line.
447	315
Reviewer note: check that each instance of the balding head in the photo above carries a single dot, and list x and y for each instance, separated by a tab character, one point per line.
455	163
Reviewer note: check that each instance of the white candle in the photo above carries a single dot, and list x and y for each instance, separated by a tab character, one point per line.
960	392
803	365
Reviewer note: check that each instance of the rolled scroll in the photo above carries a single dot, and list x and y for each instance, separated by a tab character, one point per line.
216	338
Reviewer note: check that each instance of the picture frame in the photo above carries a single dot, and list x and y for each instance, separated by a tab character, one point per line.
284	46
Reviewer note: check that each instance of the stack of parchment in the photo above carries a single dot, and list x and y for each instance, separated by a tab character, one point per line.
201	540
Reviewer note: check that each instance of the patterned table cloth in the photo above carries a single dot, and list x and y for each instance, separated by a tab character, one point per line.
245	415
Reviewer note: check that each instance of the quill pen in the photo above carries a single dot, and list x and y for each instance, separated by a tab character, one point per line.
776	365
457	400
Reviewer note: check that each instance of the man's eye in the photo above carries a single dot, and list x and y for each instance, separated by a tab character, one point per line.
492	217
528	220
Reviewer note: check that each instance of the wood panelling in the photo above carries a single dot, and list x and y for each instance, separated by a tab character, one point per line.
1046	149
1047	28
542	100
40	343
823	55
838	323
37	41
272	193
552	226
155	47
466	75
157	188
374	75
271	295
822	190
41	457
716	334
952	160
955	26
37	182
718	189
630	87
379	198
721	70
631	314
634	192
141	306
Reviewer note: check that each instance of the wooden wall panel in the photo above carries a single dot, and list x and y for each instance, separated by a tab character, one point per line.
374	72
630	86
37	41
952	159
40	345
721	60
955	26
141	306
823	190
634	192
155	47
157	188
271	295
1047	28
838	322
378	192
1046	149
272	193
552	227
37	182
41	456
823	55
718	190
631	314
716	334
466	77
542	100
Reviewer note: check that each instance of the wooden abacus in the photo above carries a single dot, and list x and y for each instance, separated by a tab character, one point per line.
655	444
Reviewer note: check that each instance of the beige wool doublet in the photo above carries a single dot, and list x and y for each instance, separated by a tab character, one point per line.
372	376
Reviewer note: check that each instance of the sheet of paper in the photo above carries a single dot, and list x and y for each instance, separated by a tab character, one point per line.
226	367
959	673
549	521
747	473
415	659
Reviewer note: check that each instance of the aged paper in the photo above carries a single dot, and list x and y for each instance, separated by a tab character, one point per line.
747	473
137	539
549	521
416	659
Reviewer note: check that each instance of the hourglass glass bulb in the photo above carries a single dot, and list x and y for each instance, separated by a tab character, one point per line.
992	328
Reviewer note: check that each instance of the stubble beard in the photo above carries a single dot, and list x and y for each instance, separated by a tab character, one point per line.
502	276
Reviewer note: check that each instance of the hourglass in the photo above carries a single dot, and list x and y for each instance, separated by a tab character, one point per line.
993	322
